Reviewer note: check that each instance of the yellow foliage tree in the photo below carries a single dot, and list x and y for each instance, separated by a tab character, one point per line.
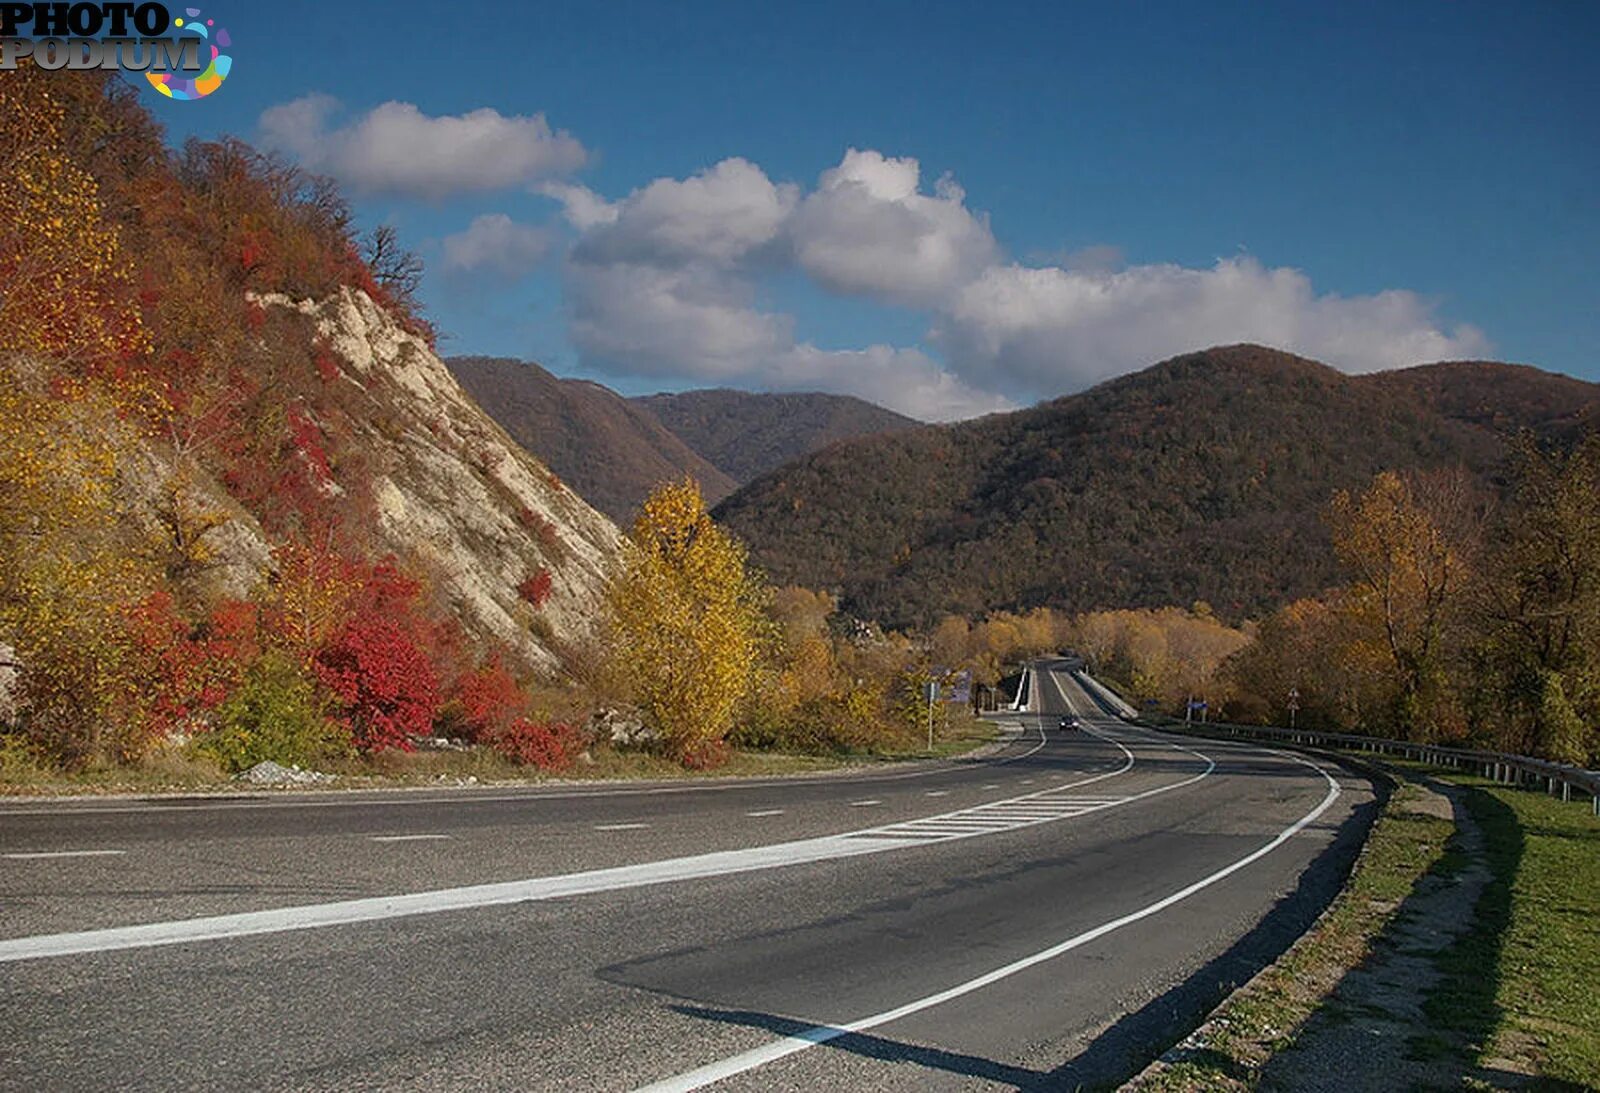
687	621
66	575
1403	541
65	286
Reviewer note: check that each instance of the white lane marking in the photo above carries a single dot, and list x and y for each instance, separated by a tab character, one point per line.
821	1034
865	804
405	838
766	812
937	793
992	785
31	855
378	908
1014	814
620	827
1027	781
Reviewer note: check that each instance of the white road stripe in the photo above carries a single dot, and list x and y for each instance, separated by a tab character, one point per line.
766	812
405	838
821	1034
937	793
380	908
620	827
865	804
30	855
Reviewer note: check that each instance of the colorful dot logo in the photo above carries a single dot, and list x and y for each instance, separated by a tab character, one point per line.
175	85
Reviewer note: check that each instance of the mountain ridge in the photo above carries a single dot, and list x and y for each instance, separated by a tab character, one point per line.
1198	478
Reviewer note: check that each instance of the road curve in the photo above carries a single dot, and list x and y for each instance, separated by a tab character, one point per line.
1039	920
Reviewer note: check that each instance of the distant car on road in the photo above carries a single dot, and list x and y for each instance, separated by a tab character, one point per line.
1069	722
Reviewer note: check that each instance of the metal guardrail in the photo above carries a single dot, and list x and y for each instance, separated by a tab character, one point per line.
1557	779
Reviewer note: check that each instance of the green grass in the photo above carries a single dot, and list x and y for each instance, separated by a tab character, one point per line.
1518	1000
1525	983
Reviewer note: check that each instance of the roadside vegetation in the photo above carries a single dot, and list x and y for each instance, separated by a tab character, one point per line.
1500	996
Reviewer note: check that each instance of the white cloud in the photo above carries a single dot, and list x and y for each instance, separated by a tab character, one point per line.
718	216
664	283
398	150
1052	330
644	320
583	208
907	380
498	244
868	230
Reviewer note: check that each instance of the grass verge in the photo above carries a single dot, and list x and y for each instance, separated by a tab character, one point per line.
1514	1006
1261	1018
174	771
1523	983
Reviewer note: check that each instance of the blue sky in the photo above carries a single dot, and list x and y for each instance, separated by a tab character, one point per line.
952	208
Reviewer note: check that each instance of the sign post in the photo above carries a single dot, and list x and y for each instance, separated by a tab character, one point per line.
930	691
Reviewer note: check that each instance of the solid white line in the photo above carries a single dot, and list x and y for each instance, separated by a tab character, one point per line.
865	804
937	793
766	812
821	1034
405	838
620	827
380	908
31	855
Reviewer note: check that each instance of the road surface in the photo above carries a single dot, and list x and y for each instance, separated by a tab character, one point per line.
1043	918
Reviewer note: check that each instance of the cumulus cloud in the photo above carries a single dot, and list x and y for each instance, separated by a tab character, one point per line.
906	380
643	320
497	244
396	149
718	216
1053	330
868	230
664	283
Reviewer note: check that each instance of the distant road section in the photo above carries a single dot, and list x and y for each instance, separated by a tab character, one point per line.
1047	916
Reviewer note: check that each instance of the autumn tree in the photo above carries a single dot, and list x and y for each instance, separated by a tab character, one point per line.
66	288
1537	660
686	618
1408	545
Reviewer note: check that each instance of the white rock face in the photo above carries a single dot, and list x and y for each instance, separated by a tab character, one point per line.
459	498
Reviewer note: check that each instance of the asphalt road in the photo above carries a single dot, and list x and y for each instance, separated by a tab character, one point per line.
1044	918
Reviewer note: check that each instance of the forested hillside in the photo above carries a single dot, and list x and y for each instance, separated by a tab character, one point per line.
610	449
746	433
1200	478
239	493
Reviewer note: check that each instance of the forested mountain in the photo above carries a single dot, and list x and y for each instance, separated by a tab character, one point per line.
608	448
1200	478
746	434
614	450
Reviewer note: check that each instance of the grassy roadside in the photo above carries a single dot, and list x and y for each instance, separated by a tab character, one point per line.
1508	1002
172	771
1523	983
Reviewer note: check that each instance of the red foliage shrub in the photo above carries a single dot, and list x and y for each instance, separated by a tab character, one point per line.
327	367
385	686
549	746
490	700
536	588
708	755
182	671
